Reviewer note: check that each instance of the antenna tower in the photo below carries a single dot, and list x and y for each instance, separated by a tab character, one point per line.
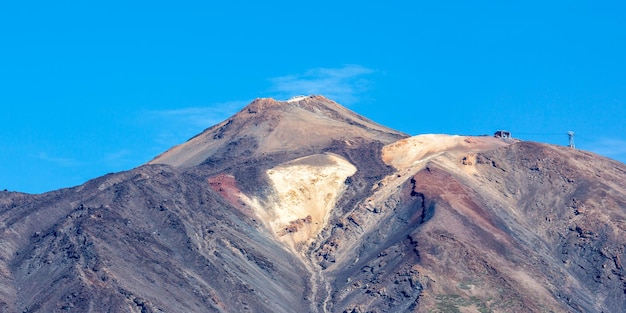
570	134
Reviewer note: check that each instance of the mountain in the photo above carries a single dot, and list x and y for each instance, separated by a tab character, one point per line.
305	206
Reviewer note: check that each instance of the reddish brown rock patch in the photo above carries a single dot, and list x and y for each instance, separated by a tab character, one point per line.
226	186
294	226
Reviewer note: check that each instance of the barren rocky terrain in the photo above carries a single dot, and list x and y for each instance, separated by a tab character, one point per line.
305	206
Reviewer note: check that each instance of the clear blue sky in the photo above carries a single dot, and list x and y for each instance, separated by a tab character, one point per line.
87	89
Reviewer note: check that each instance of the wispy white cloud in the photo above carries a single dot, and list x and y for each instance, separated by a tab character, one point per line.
117	155
118	159
614	148
59	161
174	126
199	116
343	85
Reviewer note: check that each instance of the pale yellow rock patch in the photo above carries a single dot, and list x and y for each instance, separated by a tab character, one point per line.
304	189
412	151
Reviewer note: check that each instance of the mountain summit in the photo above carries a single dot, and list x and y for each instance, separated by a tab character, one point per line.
267	126
305	206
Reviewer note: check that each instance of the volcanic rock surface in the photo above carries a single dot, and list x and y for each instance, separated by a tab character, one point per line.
305	206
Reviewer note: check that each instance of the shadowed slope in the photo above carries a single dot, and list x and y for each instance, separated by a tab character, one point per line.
149	240
505	227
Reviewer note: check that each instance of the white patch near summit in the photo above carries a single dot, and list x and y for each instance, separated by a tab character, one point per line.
297	98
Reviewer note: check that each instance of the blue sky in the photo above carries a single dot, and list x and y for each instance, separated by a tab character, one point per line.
90	88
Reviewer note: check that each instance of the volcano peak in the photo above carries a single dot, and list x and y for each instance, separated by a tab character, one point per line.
305	206
307	124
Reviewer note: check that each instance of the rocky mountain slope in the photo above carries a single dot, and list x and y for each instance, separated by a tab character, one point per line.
305	206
